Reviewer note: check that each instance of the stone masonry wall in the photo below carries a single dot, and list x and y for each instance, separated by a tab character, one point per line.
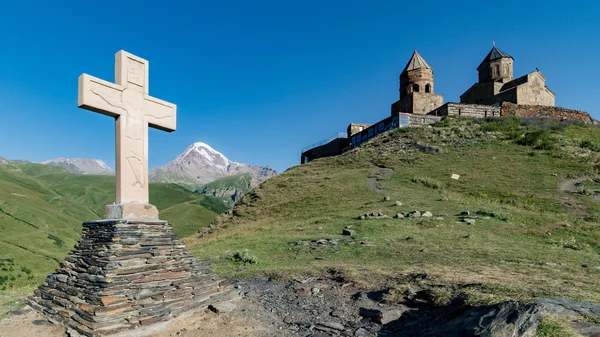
424	102
539	111
414	120
123	275
467	110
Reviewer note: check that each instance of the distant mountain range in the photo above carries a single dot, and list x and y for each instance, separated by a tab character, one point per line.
81	165
201	168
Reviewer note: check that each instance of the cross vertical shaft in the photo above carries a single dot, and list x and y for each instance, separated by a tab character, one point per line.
128	101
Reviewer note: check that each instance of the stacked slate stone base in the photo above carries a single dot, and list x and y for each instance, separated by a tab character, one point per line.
125	274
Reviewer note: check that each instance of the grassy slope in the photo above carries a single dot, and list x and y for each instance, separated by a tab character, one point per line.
240	182
42	207
509	169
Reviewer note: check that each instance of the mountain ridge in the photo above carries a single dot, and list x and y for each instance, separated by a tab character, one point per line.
200	165
81	165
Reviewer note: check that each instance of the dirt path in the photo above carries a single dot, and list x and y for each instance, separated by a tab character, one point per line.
206	323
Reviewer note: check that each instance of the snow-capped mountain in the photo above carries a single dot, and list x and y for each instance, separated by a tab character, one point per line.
81	165
200	164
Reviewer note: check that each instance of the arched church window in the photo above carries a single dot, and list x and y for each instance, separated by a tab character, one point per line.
496	70
427	88
415	87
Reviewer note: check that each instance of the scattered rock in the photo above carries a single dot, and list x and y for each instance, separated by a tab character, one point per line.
589	266
387	198
381	316
398	203
330	325
414	214
348	232
425	250
367	243
399	216
469	221
361	332
223	307
373	215
41	322
468	236
337	313
465	213
427	214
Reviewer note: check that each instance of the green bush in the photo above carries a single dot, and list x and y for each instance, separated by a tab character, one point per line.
244	257
428	182
588	144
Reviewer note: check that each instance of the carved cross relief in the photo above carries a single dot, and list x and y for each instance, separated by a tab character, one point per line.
128	101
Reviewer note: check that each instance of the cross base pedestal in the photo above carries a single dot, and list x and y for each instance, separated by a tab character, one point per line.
123	275
132	211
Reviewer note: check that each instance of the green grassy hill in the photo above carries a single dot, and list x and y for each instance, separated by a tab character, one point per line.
224	188
529	186
42	208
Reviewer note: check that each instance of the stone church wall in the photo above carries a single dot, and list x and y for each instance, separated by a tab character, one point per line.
415	120
540	111
535	92
424	102
466	110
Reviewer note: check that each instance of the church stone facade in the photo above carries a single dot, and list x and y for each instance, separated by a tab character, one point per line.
416	88
497	85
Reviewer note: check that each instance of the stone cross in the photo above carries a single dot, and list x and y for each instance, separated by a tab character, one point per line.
128	101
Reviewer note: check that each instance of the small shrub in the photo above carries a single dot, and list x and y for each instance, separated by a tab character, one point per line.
444	123
571	244
504	216
58	242
244	257
508	125
588	144
428	182
533	138
440	296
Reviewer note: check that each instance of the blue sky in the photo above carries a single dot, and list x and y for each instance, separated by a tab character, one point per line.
260	80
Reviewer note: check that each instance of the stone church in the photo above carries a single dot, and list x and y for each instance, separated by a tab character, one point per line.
496	84
496	93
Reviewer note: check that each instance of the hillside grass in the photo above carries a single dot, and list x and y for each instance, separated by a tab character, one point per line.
530	239
42	208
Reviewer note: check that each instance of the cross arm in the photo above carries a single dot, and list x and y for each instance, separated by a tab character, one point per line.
160	114
100	96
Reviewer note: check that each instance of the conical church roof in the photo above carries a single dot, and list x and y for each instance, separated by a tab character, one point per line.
495	54
416	62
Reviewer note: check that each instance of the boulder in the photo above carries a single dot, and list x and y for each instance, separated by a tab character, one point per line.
508	319
348	232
